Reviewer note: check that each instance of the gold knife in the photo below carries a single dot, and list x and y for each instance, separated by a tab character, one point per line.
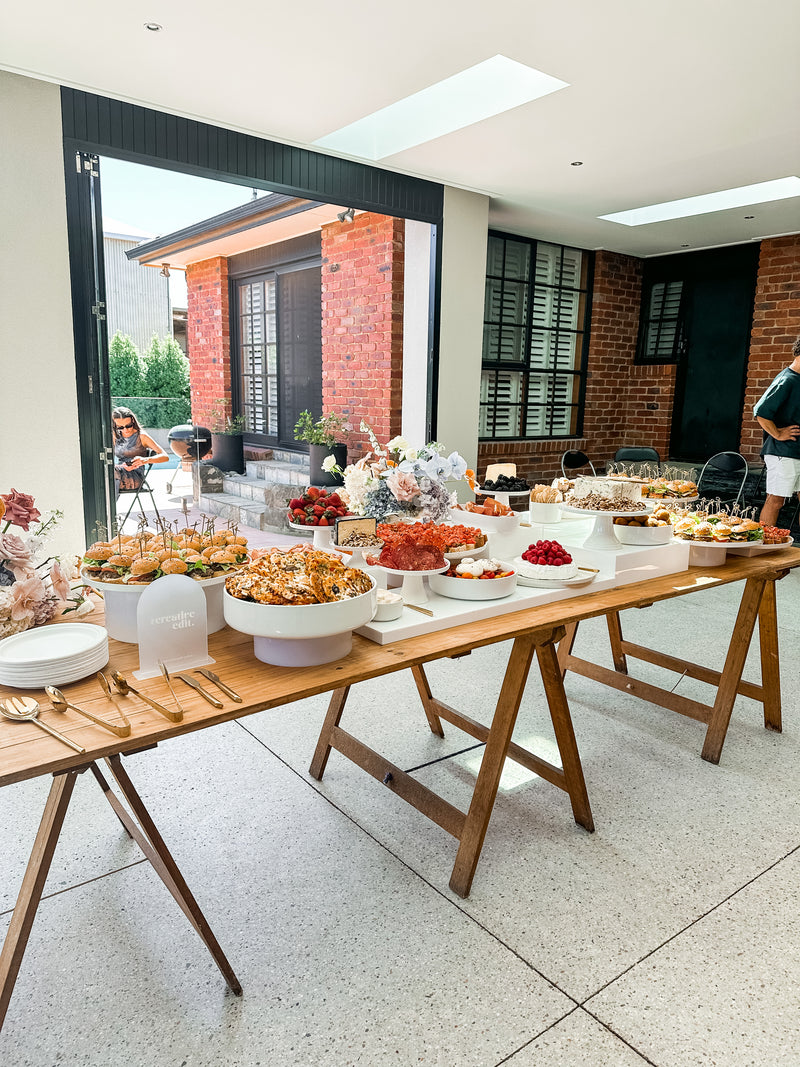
203	692
218	682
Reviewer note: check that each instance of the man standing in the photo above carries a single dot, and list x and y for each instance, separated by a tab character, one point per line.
778	414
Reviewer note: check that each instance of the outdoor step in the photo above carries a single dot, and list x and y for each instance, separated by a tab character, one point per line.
236	509
273	471
272	493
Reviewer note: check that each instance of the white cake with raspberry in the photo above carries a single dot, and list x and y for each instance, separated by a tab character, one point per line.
546	559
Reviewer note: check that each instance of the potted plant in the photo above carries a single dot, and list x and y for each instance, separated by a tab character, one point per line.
227	440
321	436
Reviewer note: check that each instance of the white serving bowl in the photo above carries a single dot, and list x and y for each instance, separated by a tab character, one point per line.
643	535
544	512
121	603
302	635
473	589
487	523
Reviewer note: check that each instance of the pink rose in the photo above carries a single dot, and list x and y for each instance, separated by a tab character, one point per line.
15	555
403	486
26	598
20	510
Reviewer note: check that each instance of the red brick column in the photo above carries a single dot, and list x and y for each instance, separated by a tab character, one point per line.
626	403
208	338
776	325
362	324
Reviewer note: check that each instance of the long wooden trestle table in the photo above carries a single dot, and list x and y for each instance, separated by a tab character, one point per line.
546	632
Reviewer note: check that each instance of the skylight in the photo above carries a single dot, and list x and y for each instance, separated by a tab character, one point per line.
743	196
489	88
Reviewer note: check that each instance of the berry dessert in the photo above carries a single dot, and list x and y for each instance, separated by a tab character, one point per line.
316	507
547	559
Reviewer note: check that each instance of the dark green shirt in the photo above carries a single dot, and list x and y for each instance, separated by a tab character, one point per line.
781	405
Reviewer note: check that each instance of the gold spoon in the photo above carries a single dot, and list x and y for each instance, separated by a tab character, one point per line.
60	702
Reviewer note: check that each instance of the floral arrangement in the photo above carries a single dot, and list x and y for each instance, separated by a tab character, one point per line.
401	480
31	592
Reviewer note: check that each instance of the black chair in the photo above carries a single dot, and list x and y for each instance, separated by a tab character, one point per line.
637	455
572	460
136	493
730	463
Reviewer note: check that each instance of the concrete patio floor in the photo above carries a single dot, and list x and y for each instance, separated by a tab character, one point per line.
668	937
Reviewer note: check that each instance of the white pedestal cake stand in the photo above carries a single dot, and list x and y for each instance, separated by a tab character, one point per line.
413	589
602	533
502	497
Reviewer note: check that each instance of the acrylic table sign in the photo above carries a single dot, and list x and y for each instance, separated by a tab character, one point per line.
172	626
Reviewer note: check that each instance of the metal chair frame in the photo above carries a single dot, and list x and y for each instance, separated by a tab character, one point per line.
582	458
730	465
637	454
135	493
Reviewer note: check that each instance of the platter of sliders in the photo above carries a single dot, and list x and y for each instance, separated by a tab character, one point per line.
121	569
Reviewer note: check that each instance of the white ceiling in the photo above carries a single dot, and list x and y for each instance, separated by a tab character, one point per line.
664	100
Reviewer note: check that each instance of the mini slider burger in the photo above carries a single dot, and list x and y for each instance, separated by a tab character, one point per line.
747	530
96	558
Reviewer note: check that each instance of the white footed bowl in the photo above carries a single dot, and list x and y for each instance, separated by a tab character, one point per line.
303	635
121	603
643	535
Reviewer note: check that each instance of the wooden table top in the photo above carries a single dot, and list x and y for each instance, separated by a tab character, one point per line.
27	752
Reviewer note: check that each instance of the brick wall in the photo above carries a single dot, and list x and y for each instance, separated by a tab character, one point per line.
776	325
208	338
362	324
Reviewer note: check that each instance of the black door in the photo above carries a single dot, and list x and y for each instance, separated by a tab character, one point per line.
712	371
712	341
84	222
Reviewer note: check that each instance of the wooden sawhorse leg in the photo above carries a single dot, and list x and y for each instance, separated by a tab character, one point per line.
758	603
470	828
146	835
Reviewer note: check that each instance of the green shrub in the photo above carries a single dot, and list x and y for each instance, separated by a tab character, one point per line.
125	366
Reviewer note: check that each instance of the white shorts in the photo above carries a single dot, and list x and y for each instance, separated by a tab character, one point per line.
783	475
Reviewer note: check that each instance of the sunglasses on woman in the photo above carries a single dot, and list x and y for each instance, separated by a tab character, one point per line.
125	426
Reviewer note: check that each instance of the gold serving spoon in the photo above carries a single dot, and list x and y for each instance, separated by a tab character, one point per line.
60	703
25	709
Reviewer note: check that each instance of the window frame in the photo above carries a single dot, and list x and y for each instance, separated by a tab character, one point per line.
524	367
641	359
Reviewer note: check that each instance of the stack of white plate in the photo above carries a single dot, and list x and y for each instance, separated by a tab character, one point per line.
53	655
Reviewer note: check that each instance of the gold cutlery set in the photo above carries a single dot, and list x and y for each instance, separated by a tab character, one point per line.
115	685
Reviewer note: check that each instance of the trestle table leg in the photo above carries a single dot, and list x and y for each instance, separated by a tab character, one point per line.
33	884
332	719
483	797
615	637
425	695
770	663
145	833
732	671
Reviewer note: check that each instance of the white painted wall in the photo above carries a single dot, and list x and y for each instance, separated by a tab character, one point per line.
416	292
39	451
464	239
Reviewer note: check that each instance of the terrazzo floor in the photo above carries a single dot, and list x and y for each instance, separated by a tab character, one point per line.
668	937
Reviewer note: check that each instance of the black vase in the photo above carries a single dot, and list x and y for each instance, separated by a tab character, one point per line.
316	454
227	452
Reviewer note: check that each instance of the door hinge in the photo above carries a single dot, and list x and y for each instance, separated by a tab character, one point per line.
97	309
90	380
107	456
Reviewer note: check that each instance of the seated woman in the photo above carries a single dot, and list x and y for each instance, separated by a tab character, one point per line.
133	451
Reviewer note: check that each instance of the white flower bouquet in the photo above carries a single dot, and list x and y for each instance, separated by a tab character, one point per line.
32	591
398	480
